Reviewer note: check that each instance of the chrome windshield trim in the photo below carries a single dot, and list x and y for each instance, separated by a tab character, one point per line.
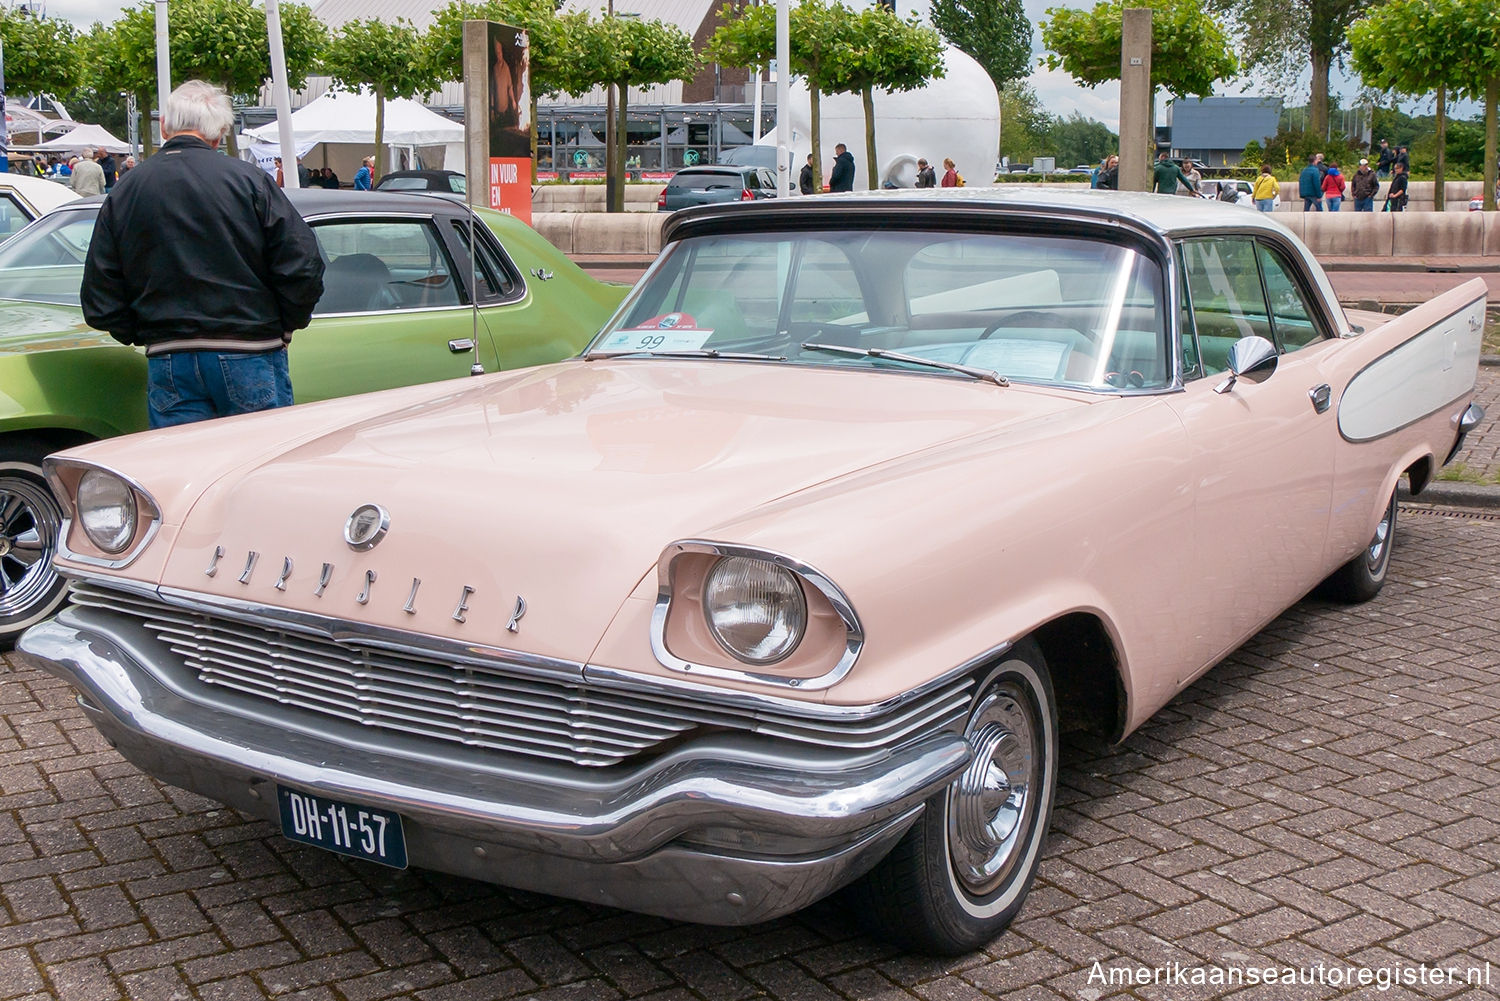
854	631
50	466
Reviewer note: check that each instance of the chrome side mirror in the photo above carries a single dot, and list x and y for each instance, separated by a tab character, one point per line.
1251	358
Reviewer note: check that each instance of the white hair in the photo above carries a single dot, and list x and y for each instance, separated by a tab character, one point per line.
198	106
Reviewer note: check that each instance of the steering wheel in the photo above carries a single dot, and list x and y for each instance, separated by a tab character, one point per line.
1034	318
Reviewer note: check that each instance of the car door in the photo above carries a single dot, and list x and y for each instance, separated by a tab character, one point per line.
394	310
1262	453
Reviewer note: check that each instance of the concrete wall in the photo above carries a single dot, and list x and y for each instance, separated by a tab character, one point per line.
590	197
1328	234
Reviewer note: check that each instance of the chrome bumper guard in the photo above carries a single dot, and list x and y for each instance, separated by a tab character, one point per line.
716	832
1462	425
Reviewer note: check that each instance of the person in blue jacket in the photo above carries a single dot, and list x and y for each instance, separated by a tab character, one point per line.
364	174
1310	185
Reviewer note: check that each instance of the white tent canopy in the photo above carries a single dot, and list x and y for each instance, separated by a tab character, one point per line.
84	135
350	119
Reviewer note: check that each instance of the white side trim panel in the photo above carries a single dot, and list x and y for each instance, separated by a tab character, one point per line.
1423	375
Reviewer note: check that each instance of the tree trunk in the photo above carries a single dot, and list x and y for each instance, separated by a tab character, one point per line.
1317	108
621	146
379	135
1440	164
815	126
872	176
1491	98
147	147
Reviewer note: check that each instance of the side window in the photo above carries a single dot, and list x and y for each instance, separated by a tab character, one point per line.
496	276
12	216
1292	317
1224	283
376	265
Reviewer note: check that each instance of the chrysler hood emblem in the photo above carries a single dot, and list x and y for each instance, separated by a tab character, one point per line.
366	527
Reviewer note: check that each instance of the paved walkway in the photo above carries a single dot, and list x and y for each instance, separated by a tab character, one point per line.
1326	799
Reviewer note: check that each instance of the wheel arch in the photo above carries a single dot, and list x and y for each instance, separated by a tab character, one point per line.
45	439
1084	662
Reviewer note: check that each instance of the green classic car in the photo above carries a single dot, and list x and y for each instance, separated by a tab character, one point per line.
396	310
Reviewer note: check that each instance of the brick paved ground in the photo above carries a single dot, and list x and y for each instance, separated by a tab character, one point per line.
1481	451
1330	794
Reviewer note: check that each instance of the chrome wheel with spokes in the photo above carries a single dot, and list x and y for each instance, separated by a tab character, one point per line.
1364	575
30	588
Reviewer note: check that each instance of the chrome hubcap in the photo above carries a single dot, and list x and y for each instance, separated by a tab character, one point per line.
29	521
1378	543
990	804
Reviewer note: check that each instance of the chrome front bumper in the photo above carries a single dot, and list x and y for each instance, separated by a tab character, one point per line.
719	832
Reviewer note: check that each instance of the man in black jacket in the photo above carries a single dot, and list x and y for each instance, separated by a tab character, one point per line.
805	179
842	177
201	259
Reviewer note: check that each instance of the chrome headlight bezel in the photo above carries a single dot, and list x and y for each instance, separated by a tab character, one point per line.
715	660
65	476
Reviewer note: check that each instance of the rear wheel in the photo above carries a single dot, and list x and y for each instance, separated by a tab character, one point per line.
30	588
1363	576
960	875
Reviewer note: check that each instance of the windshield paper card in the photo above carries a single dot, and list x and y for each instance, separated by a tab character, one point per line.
657	335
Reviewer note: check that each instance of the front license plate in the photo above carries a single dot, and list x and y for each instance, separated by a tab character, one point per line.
347	828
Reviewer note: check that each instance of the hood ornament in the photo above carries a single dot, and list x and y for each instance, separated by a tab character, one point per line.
366	527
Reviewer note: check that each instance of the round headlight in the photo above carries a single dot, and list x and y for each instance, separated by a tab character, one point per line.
755	609
106	509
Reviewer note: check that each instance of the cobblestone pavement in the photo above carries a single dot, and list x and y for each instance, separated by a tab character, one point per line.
1329	797
1481	451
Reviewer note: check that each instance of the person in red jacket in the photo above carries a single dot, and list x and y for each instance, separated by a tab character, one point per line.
950	173
1333	187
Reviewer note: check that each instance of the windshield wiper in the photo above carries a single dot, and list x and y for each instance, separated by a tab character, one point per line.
685	353
983	374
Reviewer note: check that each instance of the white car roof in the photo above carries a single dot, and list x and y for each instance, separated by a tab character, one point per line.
37	193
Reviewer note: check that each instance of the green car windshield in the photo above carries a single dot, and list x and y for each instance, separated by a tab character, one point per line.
1065	310
44	262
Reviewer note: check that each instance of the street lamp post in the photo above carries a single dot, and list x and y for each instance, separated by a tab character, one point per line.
163	62
282	97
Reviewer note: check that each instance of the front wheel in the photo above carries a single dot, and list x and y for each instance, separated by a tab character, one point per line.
959	876
1363	576
30	588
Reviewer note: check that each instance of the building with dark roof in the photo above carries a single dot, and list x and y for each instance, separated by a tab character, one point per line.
1216	129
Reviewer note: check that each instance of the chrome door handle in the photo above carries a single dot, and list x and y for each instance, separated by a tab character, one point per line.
1321	396
461	345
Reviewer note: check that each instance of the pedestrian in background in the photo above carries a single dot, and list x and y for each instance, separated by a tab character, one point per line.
1194	178
1395	195
280	174
1333	186
950	173
1310	185
1166	175
1363	187
200	258
106	163
1109	177
304	176
126	166
1266	189
926	176
842	177
88	176
1384	160
805	179
1403	159
364	174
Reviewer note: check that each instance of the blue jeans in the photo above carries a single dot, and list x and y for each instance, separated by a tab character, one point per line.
1312	204
1364	204
1266	204
1334	201
187	386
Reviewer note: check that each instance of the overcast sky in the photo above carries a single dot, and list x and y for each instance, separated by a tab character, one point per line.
1058	93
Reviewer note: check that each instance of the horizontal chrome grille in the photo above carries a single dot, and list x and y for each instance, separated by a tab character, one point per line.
494	706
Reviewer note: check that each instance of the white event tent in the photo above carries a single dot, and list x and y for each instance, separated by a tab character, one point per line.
338	130
96	136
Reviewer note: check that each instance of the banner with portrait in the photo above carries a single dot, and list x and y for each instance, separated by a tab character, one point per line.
497	111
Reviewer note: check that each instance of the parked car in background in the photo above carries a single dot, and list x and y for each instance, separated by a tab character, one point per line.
448	181
396	310
791	580
717	183
23	198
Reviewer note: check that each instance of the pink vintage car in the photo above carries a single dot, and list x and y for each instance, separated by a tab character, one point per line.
790	581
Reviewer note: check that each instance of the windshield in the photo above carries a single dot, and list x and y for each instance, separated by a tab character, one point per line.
44	262
1065	310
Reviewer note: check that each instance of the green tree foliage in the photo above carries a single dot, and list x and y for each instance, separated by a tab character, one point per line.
41	53
996	33
1283	38
390	58
817	31
882	51
122	60
1079	139
628	52
1024	125
1405	46
1189	52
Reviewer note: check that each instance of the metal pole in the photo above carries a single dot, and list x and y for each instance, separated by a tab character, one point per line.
783	98
163	64
4	133
281	96
611	184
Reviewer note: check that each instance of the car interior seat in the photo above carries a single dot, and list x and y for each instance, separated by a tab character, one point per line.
355	283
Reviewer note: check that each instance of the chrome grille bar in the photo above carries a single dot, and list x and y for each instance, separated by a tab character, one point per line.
490	706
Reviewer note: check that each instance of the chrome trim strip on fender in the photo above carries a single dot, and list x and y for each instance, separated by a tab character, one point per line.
50	466
854	631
